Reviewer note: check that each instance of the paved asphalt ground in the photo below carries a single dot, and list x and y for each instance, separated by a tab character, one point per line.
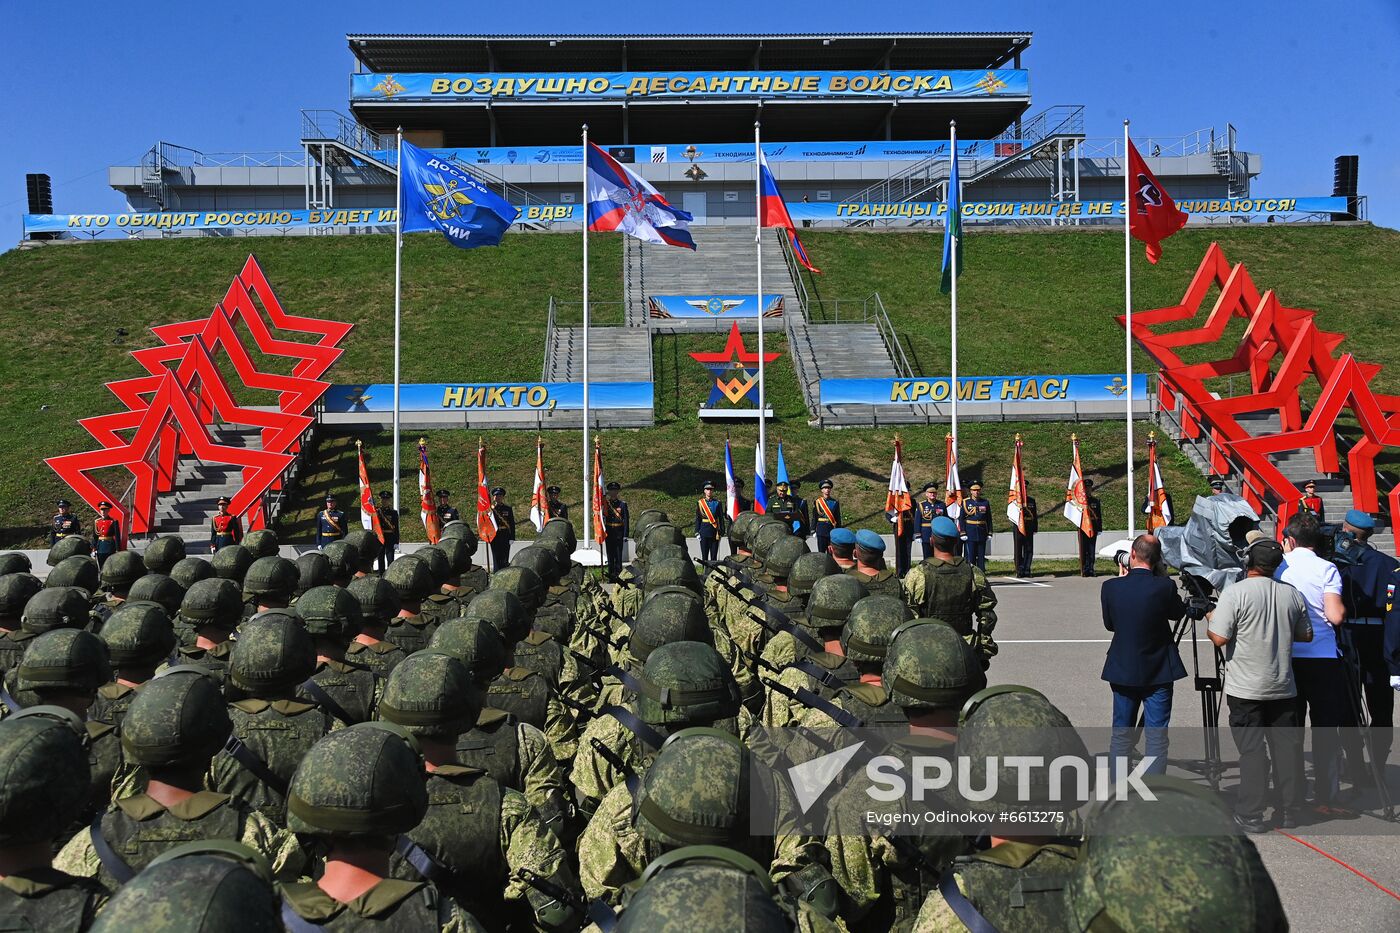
1052	638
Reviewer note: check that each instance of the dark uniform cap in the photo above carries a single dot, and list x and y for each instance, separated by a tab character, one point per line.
658	533
365	544
708	895
460	531
16	589
870	626
345	560
411	577
459	558
560	528
696	792
540	560
66	659
808	569
163	553
1006	721
767	534
231	562
614	485
668	615
523	582
832	600
215	602
503	610
313	570
783	554
190	570
76	571
272	655
44	775
379	601
645	519
431	694
687	682
928	666
54	608
206	893
364	780
14	562
177	718
475	643
437	563
330	611
671	571
261	543
272	576
158	588
138	634
64	548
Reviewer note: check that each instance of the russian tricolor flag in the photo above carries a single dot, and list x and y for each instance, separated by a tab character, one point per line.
619	200
772	212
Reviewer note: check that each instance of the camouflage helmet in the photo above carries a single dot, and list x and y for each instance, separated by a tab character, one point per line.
14	562
16	589
67	660
272	576
645	519
178	718
121	569
687	682
540	560
215	602
928	666
671	571
503	610
521	581
739	528
562	550
366	545
561	528
261	543
54	608
765	534
345	560
667	615
784	554
458	557
808	569
163	553
460	531
666	551
832	600
378	600
364	780
75	571
1006	723
313	570
331	612
437	563
64	548
411	578
190	570
138	634
1170	864
476	643
431	694
272	655
704	889
158	588
696	792
660	533
203	892
231	562
871	625
44	774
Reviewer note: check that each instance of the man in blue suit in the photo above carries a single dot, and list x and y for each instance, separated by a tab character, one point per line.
1139	608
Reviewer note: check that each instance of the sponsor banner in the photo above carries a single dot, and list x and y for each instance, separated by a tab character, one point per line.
904	150
689	85
1018	210
272	221
702	306
919	391
487	396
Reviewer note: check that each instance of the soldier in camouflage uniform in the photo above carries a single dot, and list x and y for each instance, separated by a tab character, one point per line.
212	609
43	787
313	570
187	571
172	731
471	577
870	566
947	587
478	841
814	645
199	887
752	613
232	562
117	574
348	691
379	604
261	543
16	589
163	553
269	584
368	549
412	578
439	605
160	589
356	792
64	548
466	578
702	889
272	729
671	613
344	559
82	573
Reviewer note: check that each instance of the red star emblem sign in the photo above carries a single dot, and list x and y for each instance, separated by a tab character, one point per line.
735	369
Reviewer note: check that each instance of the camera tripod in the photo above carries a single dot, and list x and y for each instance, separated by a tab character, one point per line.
1212	692
1354	674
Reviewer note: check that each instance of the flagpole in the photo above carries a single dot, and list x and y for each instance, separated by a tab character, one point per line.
758	243
1128	328
398	294
953	379
588	526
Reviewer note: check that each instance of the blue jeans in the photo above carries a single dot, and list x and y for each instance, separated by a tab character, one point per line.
1156	704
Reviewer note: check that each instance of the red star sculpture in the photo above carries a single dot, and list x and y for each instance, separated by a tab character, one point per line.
735	369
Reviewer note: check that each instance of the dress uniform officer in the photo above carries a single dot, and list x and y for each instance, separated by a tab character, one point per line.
445	510
1310	501
1088	543
977	527
65	523
925	511
106	534
709	523
389	524
826	516
557	509
330	523
224	529
1366	577
617	523
1217	486
745	504
786	506
505	527
1023	545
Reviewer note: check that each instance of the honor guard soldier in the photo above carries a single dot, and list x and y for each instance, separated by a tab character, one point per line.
745	505
790	508
446	511
106	534
1217	486
1023	545
389	524
505	528
1087	543
977	527
556	508
925	511
330	523
1310	501
65	523
709	523
826	515
224	529
616	522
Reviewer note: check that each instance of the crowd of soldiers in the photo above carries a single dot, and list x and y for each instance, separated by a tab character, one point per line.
243	741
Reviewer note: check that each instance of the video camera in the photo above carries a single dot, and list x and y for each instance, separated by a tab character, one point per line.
1340	546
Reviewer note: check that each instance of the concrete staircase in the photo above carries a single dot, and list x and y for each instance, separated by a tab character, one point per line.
846	351
615	354
185	510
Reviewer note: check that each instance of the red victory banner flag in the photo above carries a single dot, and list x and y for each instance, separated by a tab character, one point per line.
1016	494
1152	214
539	500
600	496
369	514
897	502
1158	506
1076	497
485	515
427	511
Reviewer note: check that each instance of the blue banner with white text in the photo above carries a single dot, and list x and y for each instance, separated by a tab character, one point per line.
702	306
1057	388
494	396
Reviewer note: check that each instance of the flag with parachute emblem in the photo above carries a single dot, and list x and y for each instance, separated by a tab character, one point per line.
1158	507
369	513
539	499
952	227
485	515
897	500
952	484
1016	494
1076	496
427	512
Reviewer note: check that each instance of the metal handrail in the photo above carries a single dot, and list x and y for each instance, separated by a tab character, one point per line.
1173	419
808	381
548	341
891	337
795	273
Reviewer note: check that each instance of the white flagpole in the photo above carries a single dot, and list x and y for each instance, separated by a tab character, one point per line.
1128	329
758	242
398	293
587	489
953	294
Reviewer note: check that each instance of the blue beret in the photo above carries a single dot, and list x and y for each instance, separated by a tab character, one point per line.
944	527
1359	519
843	536
868	540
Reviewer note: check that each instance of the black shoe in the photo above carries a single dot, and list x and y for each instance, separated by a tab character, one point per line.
1252	825
1288	819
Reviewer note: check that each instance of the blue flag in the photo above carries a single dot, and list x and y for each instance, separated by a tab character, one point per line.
952	228
781	475
441	196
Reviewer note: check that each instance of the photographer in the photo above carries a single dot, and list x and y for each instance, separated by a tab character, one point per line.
1139	607
1257	621
1366	575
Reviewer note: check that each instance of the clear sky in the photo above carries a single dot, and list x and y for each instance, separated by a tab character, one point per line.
93	84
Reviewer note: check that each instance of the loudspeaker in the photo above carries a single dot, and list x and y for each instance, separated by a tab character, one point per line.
1344	181
40	191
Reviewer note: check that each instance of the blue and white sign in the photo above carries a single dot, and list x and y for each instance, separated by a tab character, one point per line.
488	396
703	306
974	389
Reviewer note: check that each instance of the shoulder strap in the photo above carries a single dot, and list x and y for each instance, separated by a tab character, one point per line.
814	670
116	867
961	906
602	916
295	922
325	699
249	759
10	702
641	730
422	860
813	701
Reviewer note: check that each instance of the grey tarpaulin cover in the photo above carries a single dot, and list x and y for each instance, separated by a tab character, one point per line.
1204	546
